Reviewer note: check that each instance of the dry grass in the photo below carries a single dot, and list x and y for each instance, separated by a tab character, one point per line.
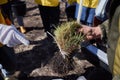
68	38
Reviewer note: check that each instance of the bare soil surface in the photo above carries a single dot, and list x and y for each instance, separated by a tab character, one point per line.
41	59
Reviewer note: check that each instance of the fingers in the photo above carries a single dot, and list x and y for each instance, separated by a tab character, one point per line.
89	38
89	35
91	32
86	30
97	32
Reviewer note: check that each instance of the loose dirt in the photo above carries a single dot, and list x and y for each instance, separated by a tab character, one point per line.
37	61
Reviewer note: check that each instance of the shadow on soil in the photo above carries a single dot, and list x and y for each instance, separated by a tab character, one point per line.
38	56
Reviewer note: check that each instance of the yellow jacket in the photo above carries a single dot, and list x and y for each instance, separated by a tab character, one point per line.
51	3
3	2
4	21
113	34
86	3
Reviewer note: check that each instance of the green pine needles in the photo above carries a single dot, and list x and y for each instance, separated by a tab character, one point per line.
67	37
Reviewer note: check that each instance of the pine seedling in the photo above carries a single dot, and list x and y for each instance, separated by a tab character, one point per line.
68	38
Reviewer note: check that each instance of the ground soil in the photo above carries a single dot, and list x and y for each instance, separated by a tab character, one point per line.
37	61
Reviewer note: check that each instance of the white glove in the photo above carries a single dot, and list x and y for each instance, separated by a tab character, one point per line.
11	37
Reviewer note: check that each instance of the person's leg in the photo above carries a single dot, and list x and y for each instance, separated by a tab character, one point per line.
70	12
90	18
44	12
76	10
8	59
54	17
21	23
19	20
83	15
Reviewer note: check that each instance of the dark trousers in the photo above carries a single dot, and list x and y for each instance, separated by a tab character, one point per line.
7	58
8	10
70	12
50	16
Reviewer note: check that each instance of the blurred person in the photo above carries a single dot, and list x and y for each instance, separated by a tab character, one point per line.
5	18
9	37
9	8
88	11
18	7
7	56
5	8
50	13
111	29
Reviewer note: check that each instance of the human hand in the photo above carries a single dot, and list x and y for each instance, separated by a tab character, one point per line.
91	32
97	32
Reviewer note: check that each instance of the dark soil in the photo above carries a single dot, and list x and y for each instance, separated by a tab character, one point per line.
41	59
